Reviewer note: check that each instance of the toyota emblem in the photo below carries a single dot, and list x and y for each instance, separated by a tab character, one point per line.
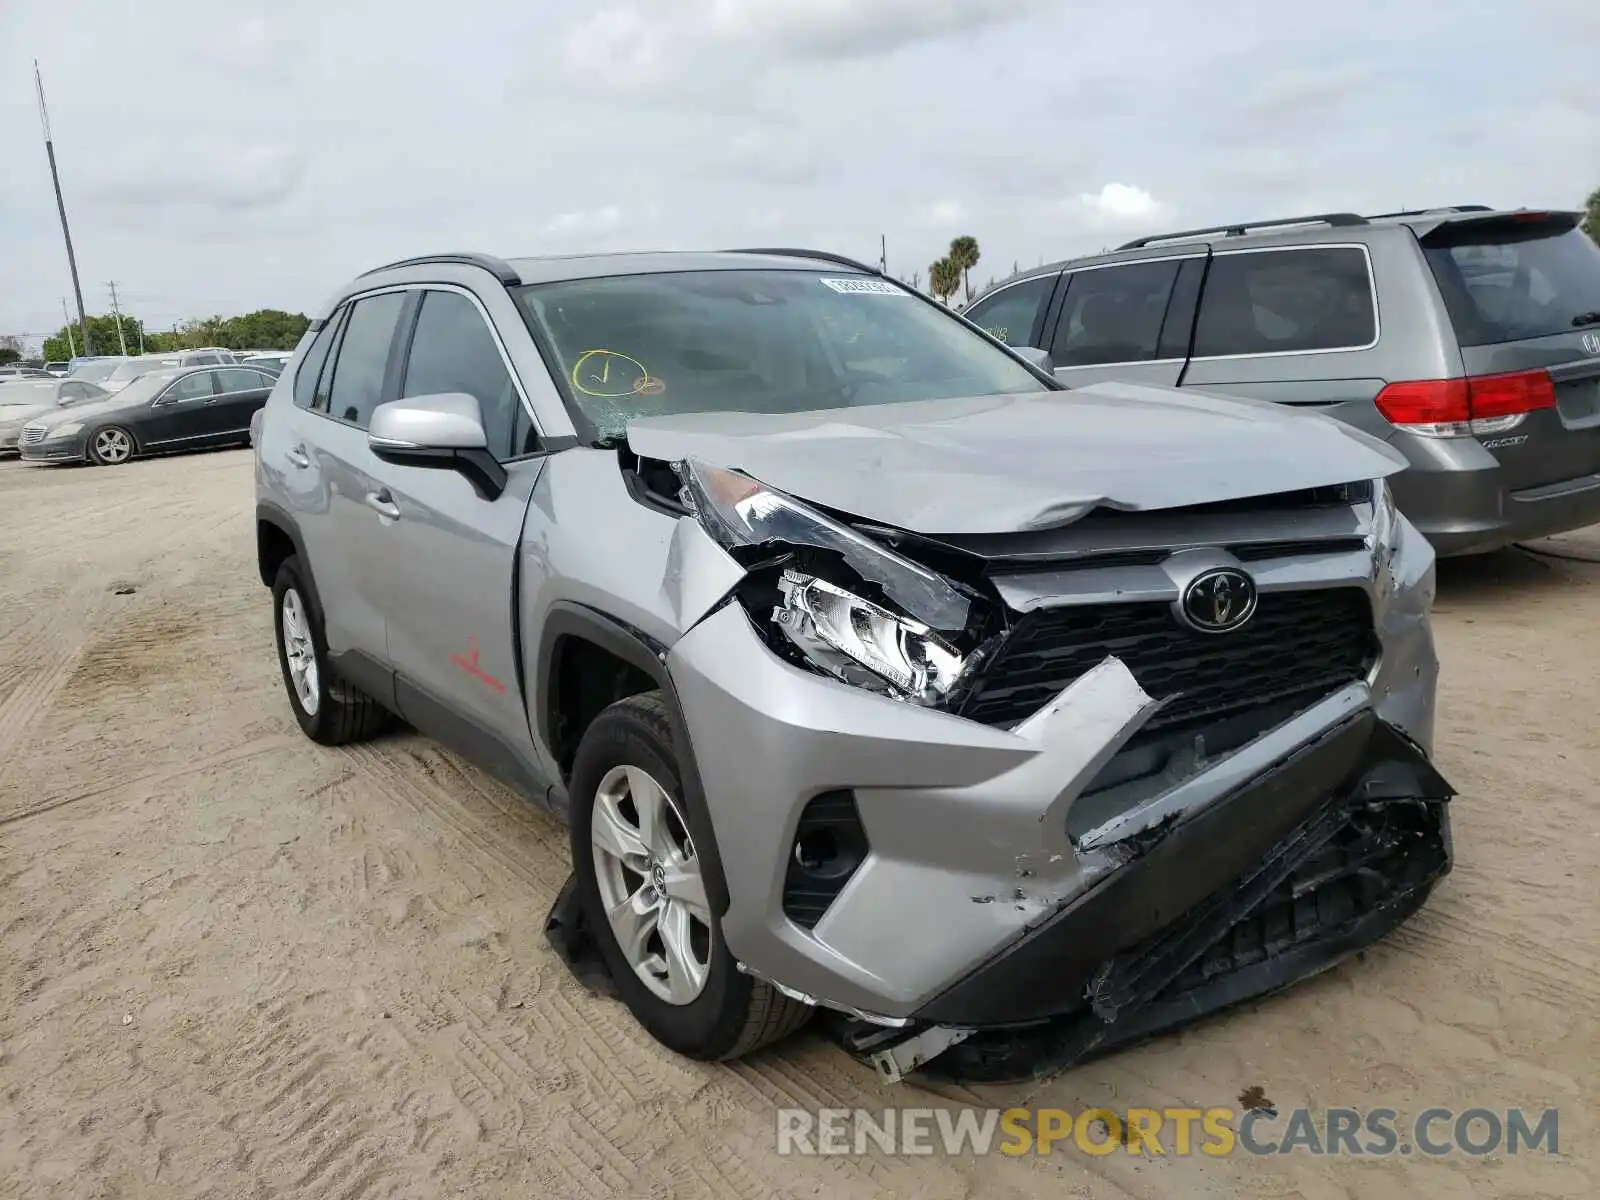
1219	600
1591	343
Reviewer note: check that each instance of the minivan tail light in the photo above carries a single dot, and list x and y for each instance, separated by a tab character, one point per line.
1470	407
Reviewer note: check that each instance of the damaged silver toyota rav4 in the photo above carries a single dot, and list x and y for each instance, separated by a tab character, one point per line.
875	673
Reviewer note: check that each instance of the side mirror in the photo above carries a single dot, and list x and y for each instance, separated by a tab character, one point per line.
443	430
1037	358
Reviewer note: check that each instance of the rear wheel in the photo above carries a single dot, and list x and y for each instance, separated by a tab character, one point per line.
329	709
111	446
644	895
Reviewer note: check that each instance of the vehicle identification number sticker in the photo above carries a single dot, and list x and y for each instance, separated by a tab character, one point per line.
863	287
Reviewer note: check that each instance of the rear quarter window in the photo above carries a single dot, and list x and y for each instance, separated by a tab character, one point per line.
1506	284
1286	302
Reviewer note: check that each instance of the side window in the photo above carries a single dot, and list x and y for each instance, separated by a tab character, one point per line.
190	387
452	350
1114	314
305	379
363	358
1276	301
1011	313
234	380
74	391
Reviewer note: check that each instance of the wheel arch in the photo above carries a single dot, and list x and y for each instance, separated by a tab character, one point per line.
277	538
570	629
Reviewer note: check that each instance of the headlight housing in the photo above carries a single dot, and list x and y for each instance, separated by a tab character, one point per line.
64	430
863	643
903	644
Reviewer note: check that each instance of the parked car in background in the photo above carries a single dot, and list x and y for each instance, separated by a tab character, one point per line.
1466	338
129	369
18	371
157	412
27	399
95	370
271	360
872	669
58	369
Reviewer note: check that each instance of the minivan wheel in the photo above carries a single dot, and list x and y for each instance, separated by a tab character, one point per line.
330	710
644	896
111	446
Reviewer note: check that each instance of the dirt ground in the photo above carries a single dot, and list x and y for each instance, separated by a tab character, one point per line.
236	964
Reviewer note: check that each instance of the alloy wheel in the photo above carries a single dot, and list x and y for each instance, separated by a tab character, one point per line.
650	884
112	446
299	652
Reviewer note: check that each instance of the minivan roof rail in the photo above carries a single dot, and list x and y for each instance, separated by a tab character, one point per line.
819	255
1438	208
498	267
1240	228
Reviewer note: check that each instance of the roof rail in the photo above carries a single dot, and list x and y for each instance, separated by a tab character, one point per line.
498	267
1422	212
1239	229
820	255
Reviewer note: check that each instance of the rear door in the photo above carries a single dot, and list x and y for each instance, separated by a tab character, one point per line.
1523	293
330	477
241	392
1128	321
450	554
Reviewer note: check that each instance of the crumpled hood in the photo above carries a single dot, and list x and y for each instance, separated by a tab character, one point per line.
1001	464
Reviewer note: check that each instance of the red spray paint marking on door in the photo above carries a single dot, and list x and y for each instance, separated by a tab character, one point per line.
468	662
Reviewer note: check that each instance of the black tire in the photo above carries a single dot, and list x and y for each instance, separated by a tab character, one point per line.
344	713
735	1014
92	452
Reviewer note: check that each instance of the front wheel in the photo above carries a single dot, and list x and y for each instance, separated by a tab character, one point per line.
111	446
644	895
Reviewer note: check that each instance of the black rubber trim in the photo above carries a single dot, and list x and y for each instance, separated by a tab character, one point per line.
479	746
274	515
638	648
366	672
1047	971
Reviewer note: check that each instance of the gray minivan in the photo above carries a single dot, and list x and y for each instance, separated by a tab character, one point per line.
1465	337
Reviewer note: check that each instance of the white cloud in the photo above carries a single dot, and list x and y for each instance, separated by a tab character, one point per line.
616	48
1121	205
940	214
845	28
591	221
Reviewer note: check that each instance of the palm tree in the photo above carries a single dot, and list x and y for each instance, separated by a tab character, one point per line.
944	277
964	255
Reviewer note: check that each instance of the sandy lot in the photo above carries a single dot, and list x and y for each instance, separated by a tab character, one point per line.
236	964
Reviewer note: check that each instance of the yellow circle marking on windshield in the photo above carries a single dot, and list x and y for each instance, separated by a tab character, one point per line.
609	374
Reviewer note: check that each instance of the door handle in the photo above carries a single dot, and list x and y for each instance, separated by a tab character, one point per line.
297	455
382	503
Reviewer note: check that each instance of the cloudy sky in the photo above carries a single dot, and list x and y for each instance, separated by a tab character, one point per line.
219	158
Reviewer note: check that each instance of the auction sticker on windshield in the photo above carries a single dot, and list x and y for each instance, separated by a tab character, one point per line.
864	287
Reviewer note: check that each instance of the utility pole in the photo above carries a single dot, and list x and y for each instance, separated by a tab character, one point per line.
61	206
71	344
117	313
883	253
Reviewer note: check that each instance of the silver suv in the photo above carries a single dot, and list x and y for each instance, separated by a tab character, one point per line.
872	670
1466	338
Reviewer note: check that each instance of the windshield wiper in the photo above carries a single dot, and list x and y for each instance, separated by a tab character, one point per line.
1587	318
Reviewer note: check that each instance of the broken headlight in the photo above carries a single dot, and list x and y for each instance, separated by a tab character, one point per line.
863	643
738	511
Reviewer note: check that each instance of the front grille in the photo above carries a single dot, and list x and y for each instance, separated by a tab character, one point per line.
32	435
1298	644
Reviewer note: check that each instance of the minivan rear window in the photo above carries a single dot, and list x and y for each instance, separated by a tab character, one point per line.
1286	301
1510	282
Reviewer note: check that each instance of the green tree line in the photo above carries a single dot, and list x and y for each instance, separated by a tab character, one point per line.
265	329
